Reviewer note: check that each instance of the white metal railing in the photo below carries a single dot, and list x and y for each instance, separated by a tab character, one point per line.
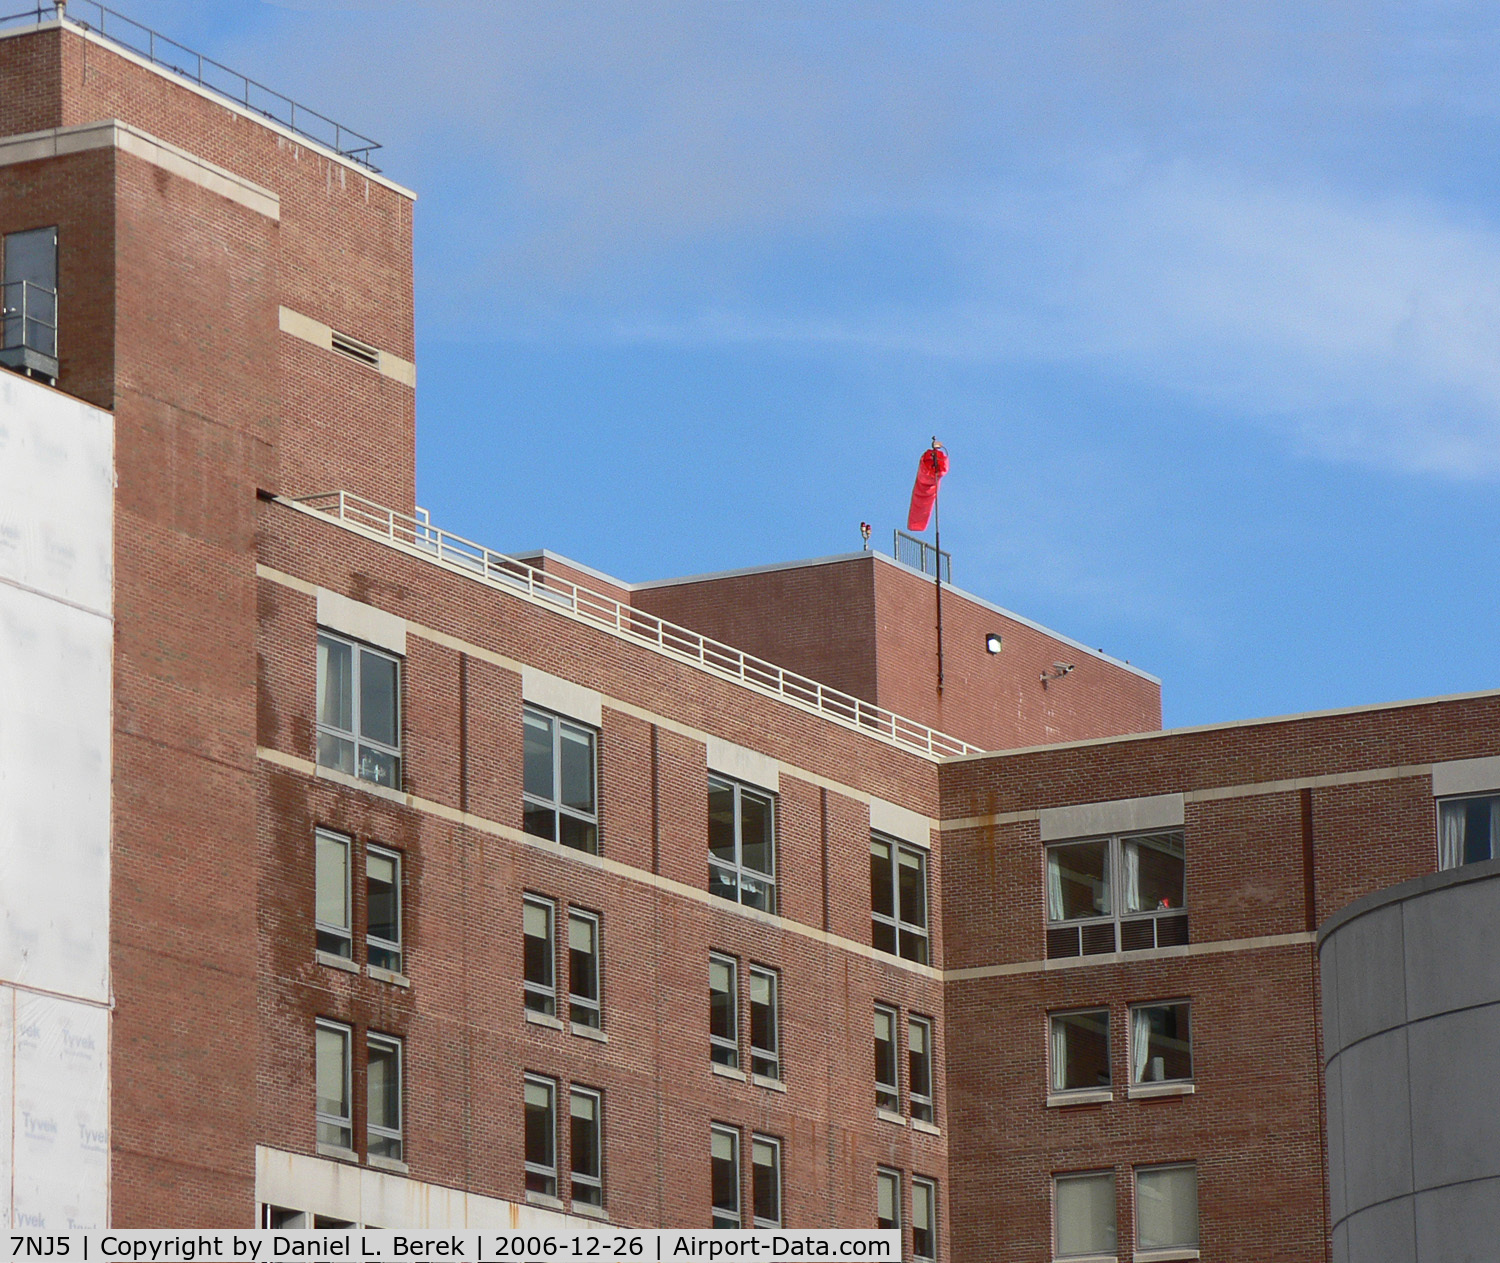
637	626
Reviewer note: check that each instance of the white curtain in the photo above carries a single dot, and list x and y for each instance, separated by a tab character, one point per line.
1059	1055
1451	835
1132	851
1140	1043
1054	887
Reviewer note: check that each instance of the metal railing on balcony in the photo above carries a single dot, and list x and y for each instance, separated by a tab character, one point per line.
28	317
418	536
920	555
167	54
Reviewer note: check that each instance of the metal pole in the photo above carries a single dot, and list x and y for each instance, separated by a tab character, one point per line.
937	569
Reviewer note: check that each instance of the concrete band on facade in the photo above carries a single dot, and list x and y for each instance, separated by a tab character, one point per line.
1411	1018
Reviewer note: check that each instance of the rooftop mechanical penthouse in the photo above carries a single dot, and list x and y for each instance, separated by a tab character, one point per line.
357	873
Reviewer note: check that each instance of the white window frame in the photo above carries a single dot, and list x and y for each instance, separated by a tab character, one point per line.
735	1217
339	938
1075	929
1054	1070
591	1182
555	804
903	932
343	1124
1154	1168
1065	1176
724	1050
539	1171
888	1094
394	952
357	651
765	1063
393	1137
585	1010
930	1189
1134	1053
540	997
921	1105
737	872
893	1176
758	1142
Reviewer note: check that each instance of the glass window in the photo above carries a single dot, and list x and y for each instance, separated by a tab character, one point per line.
741	844
331	860
584	955
1078	1050
723	1011
898	898
765	1035
28	294
765	1161
383	891
559	781
1084	1214
1116	894
1161	1042
1468	830
1166	1207
587	1149
541	1136
725	1157
335	1116
359	702
537	921
887	1087
383	1080
923	1218
919	1068
887	1198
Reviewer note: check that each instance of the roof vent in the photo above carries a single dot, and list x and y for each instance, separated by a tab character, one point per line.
355	349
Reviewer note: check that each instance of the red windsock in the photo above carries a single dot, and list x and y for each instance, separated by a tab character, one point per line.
930	471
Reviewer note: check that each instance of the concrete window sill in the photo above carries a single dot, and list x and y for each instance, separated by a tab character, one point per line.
918	1125
337	962
543	1019
1174	1255
761	1081
1100	1097
591	1212
541	1199
393	1165
886	1116
726	1072
1144	1091
386	975
590	1032
334	1151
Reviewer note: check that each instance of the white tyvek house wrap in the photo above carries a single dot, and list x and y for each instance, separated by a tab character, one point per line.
56	642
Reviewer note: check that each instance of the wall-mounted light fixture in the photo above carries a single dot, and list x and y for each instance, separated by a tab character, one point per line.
1059	669
993	643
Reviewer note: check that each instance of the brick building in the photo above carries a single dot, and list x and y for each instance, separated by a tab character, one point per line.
408	883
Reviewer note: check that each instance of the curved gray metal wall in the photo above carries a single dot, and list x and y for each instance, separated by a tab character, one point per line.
1411	1020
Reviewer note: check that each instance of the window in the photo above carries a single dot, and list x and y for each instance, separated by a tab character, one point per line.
887	1198
383	908
332	914
1113	894
1166	1207
923	1218
765	1042
1083	1212
359	710
887	1086
587	1148
383	1084
724	1145
765	1161
28	294
541	989
723	1011
334	1072
1468	830
559	784
583	969
919	1068
1161	1043
898	898
541	1136
1078	1050
741	844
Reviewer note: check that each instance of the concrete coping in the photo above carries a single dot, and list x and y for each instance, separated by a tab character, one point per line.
1416	887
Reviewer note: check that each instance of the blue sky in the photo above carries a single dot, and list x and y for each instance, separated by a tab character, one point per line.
1203	299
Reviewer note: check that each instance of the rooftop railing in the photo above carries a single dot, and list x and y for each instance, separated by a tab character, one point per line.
167	54
419	537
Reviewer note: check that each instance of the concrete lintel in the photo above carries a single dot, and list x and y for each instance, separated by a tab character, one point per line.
1123	815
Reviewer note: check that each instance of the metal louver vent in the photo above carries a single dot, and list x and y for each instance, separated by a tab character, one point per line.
355	349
